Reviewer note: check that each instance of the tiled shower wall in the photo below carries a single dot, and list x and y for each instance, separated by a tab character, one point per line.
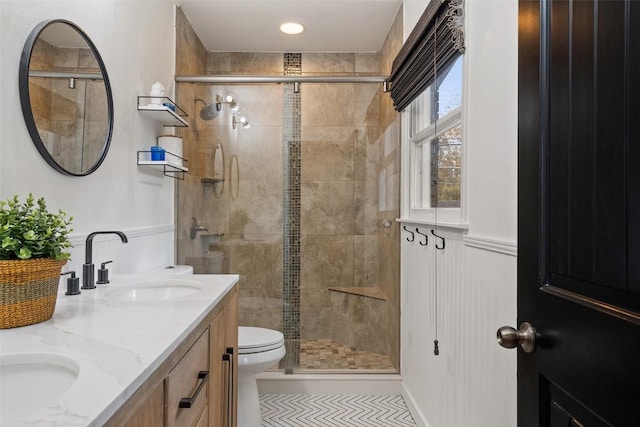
349	184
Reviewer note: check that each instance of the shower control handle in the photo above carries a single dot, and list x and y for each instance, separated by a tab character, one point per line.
195	228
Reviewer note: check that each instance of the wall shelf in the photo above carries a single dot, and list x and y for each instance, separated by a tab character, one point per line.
172	166
167	112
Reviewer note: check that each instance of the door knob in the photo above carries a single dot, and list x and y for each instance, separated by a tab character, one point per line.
525	336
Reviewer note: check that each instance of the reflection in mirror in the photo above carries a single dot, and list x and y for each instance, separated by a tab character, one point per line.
66	97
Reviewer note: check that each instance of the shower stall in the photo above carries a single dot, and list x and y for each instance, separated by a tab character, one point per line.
293	185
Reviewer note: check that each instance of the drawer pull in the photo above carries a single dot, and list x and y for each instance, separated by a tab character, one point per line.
230	419
186	402
228	357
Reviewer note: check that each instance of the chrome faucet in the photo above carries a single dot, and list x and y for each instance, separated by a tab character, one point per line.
88	268
195	228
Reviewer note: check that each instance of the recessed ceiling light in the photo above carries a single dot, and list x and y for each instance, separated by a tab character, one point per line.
291	28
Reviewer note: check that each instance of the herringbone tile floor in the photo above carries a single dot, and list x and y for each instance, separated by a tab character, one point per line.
332	410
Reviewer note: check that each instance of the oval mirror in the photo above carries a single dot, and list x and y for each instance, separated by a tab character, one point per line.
66	97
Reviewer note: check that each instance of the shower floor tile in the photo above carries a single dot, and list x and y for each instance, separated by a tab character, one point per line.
330	354
327	410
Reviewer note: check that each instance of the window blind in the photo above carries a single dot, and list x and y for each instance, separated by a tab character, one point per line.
435	42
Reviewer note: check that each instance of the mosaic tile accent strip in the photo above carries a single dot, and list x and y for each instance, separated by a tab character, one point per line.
327	410
292	159
292	64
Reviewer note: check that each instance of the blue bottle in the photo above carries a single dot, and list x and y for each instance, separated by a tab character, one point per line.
157	153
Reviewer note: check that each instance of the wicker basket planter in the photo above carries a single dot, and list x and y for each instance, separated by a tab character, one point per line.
28	290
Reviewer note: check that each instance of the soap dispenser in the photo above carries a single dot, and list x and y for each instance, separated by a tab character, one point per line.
73	283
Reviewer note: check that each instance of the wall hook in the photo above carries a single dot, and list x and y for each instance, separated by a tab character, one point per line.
413	236
439	237
426	238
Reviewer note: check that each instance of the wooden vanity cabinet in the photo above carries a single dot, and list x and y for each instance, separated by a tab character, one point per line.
223	339
186	386
156	402
146	411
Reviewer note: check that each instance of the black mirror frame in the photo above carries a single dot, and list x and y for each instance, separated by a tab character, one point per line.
25	99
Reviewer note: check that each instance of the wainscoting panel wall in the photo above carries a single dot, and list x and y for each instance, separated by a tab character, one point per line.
148	248
461	294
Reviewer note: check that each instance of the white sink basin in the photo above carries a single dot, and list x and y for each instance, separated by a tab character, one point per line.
31	381
153	290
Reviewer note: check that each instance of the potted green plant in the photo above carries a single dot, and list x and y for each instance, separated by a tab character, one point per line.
34	246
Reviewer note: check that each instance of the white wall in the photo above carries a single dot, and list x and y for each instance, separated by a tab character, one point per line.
136	40
473	380
491	118
411	12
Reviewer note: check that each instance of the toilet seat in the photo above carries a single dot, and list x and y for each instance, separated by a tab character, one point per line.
257	340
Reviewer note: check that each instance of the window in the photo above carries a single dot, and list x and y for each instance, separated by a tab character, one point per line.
435	148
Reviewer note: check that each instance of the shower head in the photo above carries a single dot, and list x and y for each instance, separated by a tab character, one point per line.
209	111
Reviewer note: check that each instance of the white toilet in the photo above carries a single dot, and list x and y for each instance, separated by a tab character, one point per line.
258	350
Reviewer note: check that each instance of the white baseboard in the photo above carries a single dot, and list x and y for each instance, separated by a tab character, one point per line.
416	413
376	384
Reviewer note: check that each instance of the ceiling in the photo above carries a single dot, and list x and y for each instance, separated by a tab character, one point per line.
254	25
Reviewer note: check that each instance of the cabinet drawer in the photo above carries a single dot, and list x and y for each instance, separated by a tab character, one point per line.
184	381
204	419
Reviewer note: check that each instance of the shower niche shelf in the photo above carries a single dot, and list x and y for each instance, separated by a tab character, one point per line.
363	291
172	166
168	112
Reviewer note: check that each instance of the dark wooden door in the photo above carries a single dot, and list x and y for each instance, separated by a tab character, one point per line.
579	212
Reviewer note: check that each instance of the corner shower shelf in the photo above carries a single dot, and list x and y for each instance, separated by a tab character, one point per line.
367	291
168	112
172	166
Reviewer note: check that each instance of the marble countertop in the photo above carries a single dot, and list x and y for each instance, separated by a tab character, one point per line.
116	340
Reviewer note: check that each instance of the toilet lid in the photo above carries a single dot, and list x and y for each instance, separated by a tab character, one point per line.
256	340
